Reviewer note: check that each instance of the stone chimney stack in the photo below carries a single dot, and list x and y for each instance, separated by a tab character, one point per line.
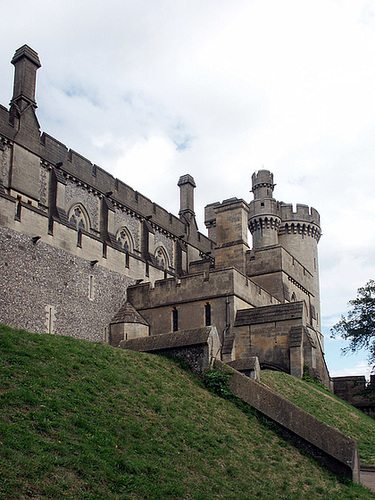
26	63
186	184
23	103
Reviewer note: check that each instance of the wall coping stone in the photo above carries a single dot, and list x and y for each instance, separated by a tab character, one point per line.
171	340
247	365
336	450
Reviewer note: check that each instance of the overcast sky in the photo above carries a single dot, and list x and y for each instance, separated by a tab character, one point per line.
154	89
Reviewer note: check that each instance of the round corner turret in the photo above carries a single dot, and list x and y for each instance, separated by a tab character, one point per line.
262	184
264	218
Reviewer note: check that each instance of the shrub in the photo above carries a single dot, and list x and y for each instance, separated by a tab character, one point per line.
217	381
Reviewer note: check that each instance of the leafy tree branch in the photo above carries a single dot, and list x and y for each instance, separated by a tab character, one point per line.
359	325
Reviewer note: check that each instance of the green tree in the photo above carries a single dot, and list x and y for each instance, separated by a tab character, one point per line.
359	325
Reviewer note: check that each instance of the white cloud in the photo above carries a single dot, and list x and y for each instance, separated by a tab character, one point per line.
360	368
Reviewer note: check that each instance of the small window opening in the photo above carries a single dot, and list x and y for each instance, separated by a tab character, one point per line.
207	314
79	238
18	209
174	320
50	320
91	287
50	226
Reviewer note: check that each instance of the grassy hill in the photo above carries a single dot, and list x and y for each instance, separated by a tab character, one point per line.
81	420
317	400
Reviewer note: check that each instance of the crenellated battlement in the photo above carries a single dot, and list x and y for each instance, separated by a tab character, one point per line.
303	213
46	150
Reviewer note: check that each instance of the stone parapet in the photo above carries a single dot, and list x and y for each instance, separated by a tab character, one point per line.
218	283
328	445
270	314
302	213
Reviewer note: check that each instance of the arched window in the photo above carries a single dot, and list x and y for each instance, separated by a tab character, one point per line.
78	217
294	298
161	258
124	239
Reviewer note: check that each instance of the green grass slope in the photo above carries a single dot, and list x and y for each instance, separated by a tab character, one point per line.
81	420
317	400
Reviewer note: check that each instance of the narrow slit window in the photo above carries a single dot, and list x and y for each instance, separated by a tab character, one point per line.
18	209
50	320
207	314
79	238
91	287
174	320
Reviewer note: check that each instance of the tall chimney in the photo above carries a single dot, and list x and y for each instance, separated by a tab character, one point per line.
26	63
186	184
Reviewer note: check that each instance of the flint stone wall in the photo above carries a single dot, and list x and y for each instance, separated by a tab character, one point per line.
36	276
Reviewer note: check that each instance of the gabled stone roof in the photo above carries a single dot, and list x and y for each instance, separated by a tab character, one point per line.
128	314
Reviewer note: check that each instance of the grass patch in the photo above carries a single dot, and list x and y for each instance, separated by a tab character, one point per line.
82	420
320	402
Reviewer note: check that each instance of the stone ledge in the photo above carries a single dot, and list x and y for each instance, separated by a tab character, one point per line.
328	445
248	366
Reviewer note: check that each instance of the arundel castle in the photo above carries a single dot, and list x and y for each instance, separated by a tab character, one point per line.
83	254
